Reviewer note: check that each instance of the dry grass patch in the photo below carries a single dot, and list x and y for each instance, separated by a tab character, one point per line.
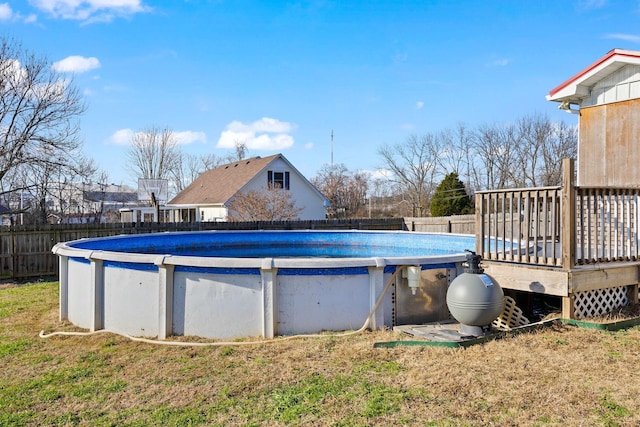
557	376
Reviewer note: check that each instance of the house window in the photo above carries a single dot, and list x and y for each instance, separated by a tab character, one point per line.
278	179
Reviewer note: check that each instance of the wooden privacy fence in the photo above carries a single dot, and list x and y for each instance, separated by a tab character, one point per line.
26	250
559	226
457	224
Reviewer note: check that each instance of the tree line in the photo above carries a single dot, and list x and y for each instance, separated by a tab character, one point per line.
44	171
462	160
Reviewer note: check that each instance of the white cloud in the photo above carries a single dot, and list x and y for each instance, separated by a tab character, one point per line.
381	174
17	76
308	145
121	137
263	134
14	70
188	136
90	10
8	14
5	12
76	64
625	37
419	105
124	137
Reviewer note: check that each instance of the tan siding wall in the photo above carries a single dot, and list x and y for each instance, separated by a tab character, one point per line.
608	149
591	149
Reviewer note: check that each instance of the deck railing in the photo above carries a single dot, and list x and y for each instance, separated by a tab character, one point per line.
520	225
559	226
606	224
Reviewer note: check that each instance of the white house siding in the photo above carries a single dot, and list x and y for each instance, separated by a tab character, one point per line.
310	201
622	85
212	214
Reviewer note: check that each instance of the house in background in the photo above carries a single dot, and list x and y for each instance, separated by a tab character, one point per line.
6	218
208	197
606	95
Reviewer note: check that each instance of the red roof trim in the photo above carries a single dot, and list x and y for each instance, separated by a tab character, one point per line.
610	54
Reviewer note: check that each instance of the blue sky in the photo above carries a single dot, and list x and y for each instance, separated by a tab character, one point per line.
281	75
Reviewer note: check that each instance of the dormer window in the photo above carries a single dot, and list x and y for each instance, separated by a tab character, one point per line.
278	179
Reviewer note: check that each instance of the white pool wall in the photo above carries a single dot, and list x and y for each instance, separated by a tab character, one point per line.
223	298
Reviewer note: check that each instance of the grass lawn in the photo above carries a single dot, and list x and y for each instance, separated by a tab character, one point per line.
561	376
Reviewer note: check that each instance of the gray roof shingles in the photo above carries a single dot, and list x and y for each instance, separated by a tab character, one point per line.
218	185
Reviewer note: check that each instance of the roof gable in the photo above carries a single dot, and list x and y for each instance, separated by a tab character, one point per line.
578	87
217	186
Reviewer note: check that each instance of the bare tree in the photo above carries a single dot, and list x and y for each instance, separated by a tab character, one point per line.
239	152
56	192
39	110
381	202
190	166
562	145
533	132
153	153
456	151
494	157
413	167
528	153
345	190
358	189
68	188
270	204
39	182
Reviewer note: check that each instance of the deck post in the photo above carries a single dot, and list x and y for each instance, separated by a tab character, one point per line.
568	221
568	231
568	307
632	294
479	226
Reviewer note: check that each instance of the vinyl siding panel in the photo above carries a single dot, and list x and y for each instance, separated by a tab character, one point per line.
622	85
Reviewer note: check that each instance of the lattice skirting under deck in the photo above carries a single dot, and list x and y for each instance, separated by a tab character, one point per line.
599	302
511	316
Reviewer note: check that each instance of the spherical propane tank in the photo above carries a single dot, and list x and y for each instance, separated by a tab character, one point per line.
473	298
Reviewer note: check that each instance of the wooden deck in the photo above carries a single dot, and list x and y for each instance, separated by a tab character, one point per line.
578	243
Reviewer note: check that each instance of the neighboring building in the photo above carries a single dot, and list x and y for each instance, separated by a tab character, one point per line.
208	197
606	95
90	202
5	216
70	203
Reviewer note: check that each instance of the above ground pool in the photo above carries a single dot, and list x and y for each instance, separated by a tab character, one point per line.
231	284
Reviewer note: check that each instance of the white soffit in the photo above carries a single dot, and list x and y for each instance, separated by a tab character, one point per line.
579	86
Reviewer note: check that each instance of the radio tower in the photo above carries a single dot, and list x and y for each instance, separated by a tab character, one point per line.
332	148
